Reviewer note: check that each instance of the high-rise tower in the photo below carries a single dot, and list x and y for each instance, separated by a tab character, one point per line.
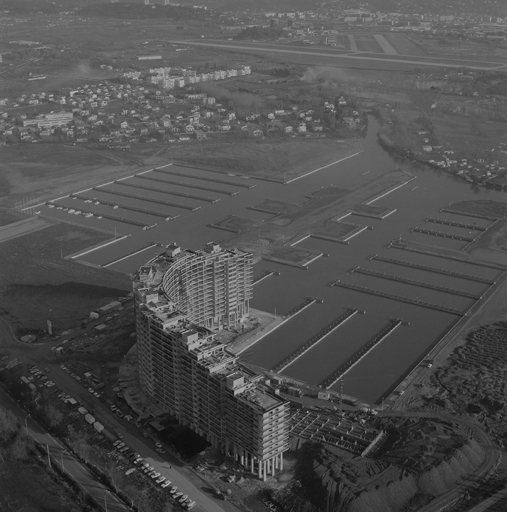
180	296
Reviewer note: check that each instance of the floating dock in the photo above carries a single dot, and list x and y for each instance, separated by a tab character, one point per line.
170	192
468	214
442	234
391	296
214	180
432	269
307	302
188	185
264	275
314	340
455	224
332	379
107	216
413	282
148	199
127	207
125	256
399	244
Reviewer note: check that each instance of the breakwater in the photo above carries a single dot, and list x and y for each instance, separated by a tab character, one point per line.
148	199
399	298
187	185
337	374
413	282
170	192
300	351
214	180
432	269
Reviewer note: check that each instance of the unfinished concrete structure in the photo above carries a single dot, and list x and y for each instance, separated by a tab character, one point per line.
188	372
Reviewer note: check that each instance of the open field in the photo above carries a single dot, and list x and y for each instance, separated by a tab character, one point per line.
282	160
29	486
37	284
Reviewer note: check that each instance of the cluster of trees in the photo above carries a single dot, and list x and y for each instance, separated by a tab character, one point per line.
122	10
264	33
15	444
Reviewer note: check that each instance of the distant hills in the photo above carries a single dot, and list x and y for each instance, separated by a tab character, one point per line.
496	8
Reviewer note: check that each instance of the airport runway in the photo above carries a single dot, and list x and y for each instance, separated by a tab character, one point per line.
443	62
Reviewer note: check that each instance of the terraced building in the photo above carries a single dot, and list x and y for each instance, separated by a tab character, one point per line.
180	296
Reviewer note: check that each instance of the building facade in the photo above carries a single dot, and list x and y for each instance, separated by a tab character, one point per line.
188	373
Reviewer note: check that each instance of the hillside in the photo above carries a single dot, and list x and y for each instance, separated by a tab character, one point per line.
420	459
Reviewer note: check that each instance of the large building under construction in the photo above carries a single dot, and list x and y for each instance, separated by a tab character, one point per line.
181	297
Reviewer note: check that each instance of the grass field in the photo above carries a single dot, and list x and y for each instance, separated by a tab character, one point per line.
285	158
30	487
36	284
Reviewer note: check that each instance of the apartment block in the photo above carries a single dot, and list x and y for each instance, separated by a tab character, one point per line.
187	372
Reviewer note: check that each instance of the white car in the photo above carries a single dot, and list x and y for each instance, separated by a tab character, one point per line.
117	442
167	483
155	475
173	489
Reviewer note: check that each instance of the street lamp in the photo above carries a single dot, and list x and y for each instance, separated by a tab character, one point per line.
105	502
26	424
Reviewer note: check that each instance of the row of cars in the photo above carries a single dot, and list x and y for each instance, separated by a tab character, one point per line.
145	467
37	373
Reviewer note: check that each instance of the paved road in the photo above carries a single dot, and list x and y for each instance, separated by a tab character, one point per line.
492	500
340	55
168	465
492	456
60	456
21	228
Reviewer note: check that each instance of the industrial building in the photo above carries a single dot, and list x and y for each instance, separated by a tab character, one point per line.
180	296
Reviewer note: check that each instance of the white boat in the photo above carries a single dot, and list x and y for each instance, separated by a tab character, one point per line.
97	202
115	207
99	216
71	210
88	215
77	212
51	205
37	213
88	201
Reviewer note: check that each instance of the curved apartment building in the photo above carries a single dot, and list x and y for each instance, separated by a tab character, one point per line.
180	297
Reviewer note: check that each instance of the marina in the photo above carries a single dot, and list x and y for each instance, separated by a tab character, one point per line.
278	222
280	367
144	176
432	269
206	178
150	200
170	192
413	282
338	374
408	300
